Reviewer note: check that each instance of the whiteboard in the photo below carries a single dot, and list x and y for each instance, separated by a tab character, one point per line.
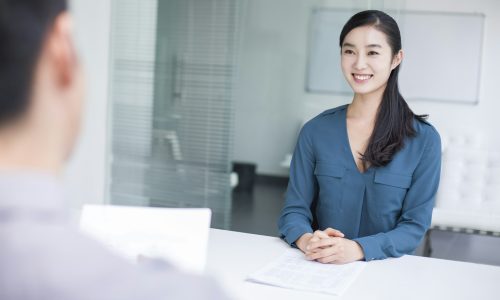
442	59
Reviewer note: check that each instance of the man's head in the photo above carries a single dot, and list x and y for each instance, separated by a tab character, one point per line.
40	81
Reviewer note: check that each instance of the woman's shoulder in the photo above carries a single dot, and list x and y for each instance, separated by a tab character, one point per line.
325	116
333	110
426	132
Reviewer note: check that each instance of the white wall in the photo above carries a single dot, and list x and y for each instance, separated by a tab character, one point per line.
271	103
483	117
86	173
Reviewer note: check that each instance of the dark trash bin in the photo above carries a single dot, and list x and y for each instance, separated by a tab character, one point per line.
246	176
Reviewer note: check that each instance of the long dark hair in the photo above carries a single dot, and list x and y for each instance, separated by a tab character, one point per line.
394	120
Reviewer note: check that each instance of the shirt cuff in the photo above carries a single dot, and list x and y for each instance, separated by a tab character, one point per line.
371	247
294	234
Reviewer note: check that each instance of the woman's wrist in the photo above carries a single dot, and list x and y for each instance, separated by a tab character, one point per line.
359	254
302	241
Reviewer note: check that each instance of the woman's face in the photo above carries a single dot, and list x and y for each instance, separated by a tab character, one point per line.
367	59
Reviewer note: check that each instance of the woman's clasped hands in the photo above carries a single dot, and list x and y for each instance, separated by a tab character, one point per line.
329	246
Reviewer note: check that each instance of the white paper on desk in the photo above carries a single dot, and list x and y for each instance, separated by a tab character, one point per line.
178	235
293	271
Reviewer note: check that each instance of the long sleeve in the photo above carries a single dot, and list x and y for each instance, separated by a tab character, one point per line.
417	208
296	216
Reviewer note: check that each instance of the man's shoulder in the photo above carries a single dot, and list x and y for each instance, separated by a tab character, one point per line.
65	263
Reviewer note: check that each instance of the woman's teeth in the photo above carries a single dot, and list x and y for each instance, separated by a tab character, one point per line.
362	77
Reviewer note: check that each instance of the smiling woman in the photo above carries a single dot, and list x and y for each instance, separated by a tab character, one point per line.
363	175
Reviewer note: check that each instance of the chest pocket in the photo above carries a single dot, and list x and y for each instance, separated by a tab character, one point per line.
330	170
390	189
391	179
330	178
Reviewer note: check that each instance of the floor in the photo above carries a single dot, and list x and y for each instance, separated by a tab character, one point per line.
257	210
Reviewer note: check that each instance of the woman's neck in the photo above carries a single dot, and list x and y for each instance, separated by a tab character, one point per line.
365	106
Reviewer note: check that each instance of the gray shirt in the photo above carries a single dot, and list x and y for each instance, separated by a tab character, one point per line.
44	256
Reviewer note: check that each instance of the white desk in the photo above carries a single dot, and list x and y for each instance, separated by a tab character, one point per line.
233	255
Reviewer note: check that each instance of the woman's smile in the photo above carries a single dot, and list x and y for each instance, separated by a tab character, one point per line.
361	78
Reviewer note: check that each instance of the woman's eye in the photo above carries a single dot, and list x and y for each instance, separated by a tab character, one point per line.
348	51
372	53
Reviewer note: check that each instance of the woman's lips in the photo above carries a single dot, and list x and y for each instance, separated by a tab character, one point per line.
361	78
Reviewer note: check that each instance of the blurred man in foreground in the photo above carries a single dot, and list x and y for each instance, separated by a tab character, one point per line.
42	256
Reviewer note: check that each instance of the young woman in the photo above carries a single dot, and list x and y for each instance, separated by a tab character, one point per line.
364	174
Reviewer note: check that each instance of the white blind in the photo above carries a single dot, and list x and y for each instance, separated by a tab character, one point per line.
173	72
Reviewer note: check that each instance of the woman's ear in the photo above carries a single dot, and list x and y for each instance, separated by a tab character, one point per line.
398	58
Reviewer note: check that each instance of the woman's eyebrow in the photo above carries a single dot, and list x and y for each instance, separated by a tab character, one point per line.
367	46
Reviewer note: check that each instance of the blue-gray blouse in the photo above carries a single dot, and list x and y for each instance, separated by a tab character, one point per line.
387	210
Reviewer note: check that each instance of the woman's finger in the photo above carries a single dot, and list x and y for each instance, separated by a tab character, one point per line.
321	234
333	232
334	258
322	254
322	243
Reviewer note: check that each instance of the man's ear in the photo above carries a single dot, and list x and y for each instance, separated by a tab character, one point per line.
61	51
398	58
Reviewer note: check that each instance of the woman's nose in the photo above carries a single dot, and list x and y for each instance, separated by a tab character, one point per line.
360	62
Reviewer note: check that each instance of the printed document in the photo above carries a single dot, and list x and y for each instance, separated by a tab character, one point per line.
292	270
